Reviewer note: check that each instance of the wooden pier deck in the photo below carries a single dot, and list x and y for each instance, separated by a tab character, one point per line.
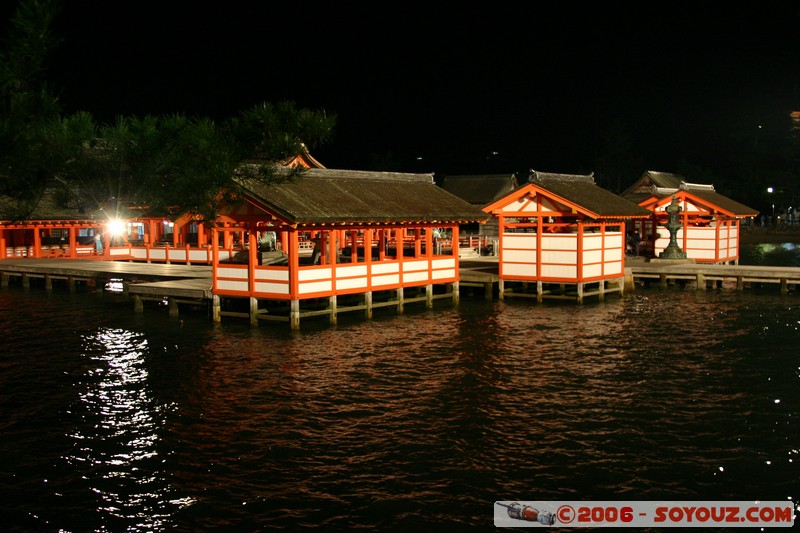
702	275
192	284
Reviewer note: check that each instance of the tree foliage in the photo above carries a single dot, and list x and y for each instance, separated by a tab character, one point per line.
26	103
162	165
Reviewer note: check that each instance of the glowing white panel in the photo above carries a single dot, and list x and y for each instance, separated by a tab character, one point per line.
272	288
701	254
240	273
352	283
392	279
519	241
314	273
158	253
177	254
591	271
232	285
198	255
613	240
412	266
319	286
346	272
516	205
519	270
415	276
701	243
558	271
613	255
569	258
565	242
139	253
444	263
385	268
271	275
613	268
118	251
519	256
593	256
444	274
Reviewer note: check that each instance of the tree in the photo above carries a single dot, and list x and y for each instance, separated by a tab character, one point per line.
26	103
165	165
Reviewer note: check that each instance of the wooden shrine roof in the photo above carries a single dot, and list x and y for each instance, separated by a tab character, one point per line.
49	209
582	190
709	196
643	186
330	196
480	189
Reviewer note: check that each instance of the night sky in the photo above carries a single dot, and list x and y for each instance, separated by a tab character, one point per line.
526	84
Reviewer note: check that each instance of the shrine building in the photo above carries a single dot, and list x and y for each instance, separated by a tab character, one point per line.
711	223
562	236
328	241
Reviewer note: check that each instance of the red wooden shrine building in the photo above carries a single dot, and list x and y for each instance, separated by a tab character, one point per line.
54	228
711	222
564	234
338	240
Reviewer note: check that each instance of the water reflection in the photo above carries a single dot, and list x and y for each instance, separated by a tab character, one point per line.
771	254
116	438
419	420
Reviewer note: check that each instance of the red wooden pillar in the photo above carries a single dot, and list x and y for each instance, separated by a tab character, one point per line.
294	265
252	261
214	258
37	242
73	242
579	247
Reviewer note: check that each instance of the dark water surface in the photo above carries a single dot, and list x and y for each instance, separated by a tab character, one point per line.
118	422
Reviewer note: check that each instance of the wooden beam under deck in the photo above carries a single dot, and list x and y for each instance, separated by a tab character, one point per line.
179	284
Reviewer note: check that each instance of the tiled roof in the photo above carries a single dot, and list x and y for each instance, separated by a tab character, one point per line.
710	196
582	191
320	196
49	207
480	189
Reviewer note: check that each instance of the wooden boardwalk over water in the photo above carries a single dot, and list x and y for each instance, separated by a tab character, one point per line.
193	284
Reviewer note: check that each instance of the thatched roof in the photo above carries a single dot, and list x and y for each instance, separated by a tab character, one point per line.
582	191
328	196
480	189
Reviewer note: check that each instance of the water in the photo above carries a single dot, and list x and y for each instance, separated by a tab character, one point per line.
113	421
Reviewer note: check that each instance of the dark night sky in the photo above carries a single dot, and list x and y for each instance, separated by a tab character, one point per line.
534	81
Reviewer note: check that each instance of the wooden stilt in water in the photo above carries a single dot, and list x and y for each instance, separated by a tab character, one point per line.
253	311
368	305
332	307
294	314
216	307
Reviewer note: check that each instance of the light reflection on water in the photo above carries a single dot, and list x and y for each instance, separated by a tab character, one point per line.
114	421
771	254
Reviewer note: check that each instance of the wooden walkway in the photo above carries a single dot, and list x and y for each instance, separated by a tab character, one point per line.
666	272
143	281
177	284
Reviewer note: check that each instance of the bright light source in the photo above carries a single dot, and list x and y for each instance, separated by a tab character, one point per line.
116	227
769	189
